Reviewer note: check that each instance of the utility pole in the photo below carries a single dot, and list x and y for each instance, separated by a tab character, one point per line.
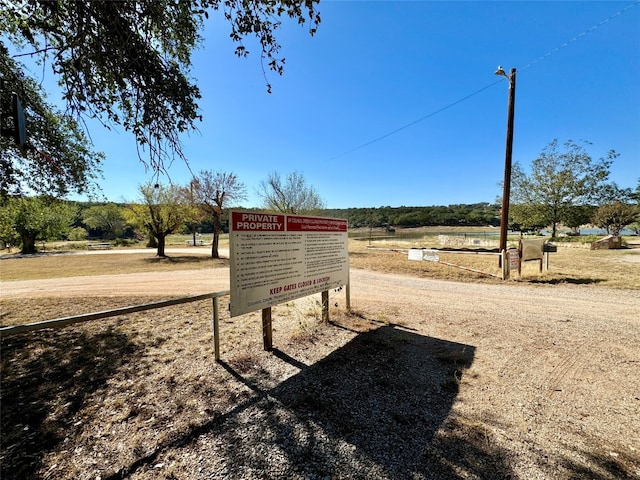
506	185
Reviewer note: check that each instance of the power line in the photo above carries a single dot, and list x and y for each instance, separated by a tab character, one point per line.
442	109
580	35
467	97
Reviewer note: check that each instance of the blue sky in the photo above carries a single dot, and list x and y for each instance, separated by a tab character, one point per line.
375	67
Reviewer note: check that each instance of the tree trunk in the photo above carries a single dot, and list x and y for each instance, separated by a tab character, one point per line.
214	243
153	242
217	228
28	244
161	243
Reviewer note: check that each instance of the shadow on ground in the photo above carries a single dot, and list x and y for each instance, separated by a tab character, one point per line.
371	409
380	407
567	280
181	259
46	377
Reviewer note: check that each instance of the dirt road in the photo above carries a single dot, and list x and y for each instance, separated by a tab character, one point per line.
554	370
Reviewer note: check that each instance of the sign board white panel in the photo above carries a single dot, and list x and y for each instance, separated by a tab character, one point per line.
275	258
415	254
423	254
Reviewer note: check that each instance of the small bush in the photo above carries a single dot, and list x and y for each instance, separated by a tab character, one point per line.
124	242
78	234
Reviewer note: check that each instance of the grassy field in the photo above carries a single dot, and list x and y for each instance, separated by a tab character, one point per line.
571	264
54	266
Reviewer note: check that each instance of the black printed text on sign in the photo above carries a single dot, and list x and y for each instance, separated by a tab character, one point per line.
276	258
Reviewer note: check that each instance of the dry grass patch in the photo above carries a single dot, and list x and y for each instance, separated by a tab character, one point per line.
95	399
140	396
108	385
392	258
611	268
59	265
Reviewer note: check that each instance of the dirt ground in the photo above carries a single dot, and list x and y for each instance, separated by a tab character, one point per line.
425	379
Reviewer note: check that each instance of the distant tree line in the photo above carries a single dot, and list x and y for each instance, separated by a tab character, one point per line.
163	209
200	207
564	187
477	214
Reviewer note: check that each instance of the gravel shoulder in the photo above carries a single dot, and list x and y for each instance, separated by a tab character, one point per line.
531	381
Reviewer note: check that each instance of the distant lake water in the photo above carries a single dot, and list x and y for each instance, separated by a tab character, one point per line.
408	234
492	233
593	231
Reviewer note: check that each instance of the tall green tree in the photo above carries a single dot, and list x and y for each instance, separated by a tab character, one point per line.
160	211
215	192
577	216
559	179
291	195
36	218
615	216
527	217
611	192
108	217
57	158
8	234
129	62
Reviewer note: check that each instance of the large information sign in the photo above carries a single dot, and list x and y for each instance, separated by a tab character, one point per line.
276	258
